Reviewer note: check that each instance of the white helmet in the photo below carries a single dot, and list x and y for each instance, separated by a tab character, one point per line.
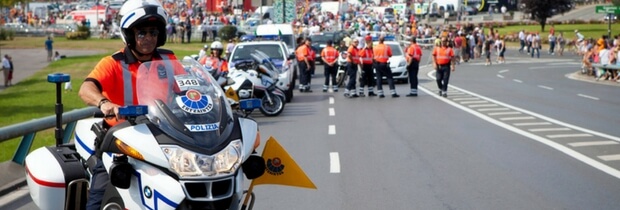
136	12
217	45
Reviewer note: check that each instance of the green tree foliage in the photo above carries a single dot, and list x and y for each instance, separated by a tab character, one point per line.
228	32
616	2
10	3
542	10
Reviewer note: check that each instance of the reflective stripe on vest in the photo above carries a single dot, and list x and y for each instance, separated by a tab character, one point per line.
330	54
128	87
442	56
384	55
367	58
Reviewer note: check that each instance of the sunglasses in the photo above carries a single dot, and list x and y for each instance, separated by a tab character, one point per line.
142	33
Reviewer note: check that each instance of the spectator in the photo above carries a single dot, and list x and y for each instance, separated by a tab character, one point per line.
6	69
49	47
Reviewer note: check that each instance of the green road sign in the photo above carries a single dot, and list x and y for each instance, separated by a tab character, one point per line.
608	9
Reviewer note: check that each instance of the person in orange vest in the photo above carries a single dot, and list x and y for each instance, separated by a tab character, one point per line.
413	56
382	54
329	55
368	76
443	62
352	65
303	61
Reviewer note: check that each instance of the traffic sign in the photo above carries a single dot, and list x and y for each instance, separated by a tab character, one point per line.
608	9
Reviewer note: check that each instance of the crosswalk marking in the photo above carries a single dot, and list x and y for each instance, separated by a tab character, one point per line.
493	109
532	123
548	129
592	143
569	135
482	105
503	113
517	118
609	157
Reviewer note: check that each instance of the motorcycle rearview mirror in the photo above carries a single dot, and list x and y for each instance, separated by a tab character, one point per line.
254	167
291	56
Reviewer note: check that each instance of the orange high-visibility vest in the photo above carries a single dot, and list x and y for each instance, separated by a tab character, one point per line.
443	55
302	52
330	54
366	55
382	53
414	52
353	55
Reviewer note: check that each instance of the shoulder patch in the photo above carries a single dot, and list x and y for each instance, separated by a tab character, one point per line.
164	51
118	56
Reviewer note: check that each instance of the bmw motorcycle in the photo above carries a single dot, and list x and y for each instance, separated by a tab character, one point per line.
181	148
257	78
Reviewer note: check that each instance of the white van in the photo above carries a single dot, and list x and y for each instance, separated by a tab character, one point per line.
285	31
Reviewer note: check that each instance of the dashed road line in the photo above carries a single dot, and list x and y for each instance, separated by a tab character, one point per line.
331	100
334	163
587	96
493	109
548	129
592	143
609	157
503	113
332	111
503	71
331	130
500	76
532	124
518	81
545	87
573	135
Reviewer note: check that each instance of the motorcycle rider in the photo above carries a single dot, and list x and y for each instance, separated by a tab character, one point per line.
382	54
413	56
111	83
329	55
352	65
368	76
215	61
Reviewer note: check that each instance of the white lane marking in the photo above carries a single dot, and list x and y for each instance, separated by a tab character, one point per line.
518	81
10	197
587	96
465	99
473	102
548	129
500	76
533	123
331	100
483	105
545	87
493	109
569	135
332	112
592	143
503	71
516	118
566	150
503	113
334	163
331	130
609	157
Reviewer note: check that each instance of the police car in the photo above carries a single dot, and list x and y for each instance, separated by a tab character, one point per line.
398	63
278	54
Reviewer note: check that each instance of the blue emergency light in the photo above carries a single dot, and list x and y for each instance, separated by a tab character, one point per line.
249	104
133	111
58	78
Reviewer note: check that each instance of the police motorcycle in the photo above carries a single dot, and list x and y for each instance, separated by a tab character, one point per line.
341	74
257	78
181	148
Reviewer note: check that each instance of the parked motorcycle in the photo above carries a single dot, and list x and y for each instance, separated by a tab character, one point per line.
257	78
181	148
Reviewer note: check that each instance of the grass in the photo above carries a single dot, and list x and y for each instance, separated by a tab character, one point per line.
34	97
588	30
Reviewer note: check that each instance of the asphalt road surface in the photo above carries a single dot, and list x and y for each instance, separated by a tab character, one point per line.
520	135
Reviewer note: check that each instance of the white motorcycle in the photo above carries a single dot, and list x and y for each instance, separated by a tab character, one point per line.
182	148
341	75
257	78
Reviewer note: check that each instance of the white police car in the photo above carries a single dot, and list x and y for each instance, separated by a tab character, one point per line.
398	63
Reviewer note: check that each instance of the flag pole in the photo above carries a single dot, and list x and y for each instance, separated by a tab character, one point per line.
247	197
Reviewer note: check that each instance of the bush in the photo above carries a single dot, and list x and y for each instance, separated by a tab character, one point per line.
82	33
7	34
228	32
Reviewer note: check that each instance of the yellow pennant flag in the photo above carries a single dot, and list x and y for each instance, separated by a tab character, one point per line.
230	93
281	168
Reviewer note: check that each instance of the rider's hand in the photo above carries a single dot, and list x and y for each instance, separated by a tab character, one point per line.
109	109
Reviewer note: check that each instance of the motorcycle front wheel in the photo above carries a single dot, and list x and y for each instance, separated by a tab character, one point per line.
274	108
341	78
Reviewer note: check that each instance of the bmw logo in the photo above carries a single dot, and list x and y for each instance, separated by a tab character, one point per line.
147	192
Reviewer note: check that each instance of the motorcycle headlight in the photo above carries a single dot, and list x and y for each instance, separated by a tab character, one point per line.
188	164
402	63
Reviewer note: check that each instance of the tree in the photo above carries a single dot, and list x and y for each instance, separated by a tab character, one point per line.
615	2
542	10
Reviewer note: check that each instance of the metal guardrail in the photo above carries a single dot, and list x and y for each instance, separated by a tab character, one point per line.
28	130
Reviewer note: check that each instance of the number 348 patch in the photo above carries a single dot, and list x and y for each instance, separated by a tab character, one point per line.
187	82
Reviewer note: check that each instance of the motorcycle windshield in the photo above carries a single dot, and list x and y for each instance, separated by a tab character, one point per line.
185	102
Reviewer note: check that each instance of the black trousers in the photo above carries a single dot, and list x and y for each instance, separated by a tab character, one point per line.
304	73
412	70
368	76
443	77
330	71
352	73
383	69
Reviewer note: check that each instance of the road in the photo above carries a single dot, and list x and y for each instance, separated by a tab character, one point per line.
521	135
